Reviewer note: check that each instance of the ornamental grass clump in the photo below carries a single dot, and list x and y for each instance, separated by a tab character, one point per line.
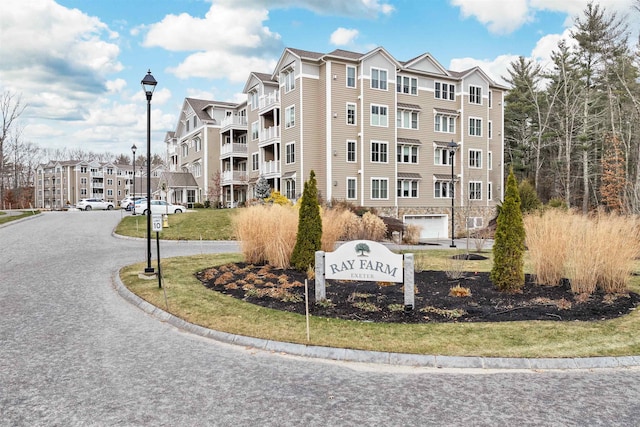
334	224
547	236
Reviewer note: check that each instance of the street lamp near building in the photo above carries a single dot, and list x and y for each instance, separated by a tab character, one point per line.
453	147
133	196
148	85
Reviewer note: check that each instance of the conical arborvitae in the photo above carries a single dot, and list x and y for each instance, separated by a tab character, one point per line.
309	237
508	247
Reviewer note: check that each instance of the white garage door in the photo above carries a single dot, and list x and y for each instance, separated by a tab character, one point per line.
432	226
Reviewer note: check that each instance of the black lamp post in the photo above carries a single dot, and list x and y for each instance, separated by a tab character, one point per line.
149	85
133	197
452	151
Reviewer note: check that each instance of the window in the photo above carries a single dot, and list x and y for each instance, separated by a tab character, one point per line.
407	119
255	162
407	85
443	189
445	123
475	159
289	81
83	169
351	114
195	122
254	130
351	151
378	79
290	152
109	192
187	125
475	190
119	183
185	150
408	188
351	188
443	156
109	182
253	99
407	154
474	222
475	95
379	188
490	93
379	152
489	191
490	161
290	117
83	191
197	170
290	189
197	144
110	171
351	76
379	115
490	129
445	91
475	127
83	180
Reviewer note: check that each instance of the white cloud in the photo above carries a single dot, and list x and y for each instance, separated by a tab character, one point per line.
343	36
500	16
354	8
495	68
221	64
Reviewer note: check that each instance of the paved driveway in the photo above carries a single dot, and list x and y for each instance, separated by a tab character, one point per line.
73	352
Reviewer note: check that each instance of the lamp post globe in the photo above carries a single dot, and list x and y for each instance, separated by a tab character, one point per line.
453	147
148	86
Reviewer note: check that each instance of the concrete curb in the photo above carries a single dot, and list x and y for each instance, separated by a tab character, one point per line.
376	357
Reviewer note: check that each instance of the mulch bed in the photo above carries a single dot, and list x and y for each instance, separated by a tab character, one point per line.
384	302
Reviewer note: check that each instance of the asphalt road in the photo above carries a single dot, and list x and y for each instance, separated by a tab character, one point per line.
74	353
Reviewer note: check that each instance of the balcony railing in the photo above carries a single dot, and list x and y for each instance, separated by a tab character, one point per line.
270	99
97	185
229	177
234	121
233	148
270	168
269	134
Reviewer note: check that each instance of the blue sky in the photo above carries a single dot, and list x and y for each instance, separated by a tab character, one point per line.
77	64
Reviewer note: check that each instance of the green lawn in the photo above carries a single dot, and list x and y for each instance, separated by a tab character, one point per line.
190	300
8	218
197	224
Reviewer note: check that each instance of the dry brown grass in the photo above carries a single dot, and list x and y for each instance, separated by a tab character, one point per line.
334	225
411	234
594	251
547	240
267	234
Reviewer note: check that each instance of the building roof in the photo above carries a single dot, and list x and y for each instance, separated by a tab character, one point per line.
409	175
409	141
409	106
306	54
340	53
178	179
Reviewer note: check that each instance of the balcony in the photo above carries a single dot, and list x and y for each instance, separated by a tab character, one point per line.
98	174
271	100
234	149
97	185
238	122
269	135
233	177
270	169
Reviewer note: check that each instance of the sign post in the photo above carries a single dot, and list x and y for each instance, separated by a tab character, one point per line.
156	222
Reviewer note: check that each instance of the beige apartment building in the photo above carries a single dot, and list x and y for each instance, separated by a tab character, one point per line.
378	132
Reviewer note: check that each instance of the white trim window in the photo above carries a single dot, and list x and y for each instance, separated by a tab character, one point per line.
351	151
445	91
379	115
352	118
197	170
352	188
474	222
407	119
185	149
290	117
475	94
490	100
289	79
475	190
489	191
378	78
290	188
443	156
197	144
379	152
444	123
255	161
255	134
351	76
408	85
442	189
290	153
253	99
407	153
379	188
475	159
475	126
490	160
408	188
490	129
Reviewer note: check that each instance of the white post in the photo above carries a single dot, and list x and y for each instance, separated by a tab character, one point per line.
409	296
321	293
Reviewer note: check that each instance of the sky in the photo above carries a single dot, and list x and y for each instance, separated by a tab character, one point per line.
77	64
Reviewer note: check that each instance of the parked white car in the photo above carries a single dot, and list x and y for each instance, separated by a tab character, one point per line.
89	204
128	202
158	207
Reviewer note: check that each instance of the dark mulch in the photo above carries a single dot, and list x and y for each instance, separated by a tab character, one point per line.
371	301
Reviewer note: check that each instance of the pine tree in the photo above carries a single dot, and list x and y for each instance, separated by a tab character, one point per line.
508	248
309	237
263	190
